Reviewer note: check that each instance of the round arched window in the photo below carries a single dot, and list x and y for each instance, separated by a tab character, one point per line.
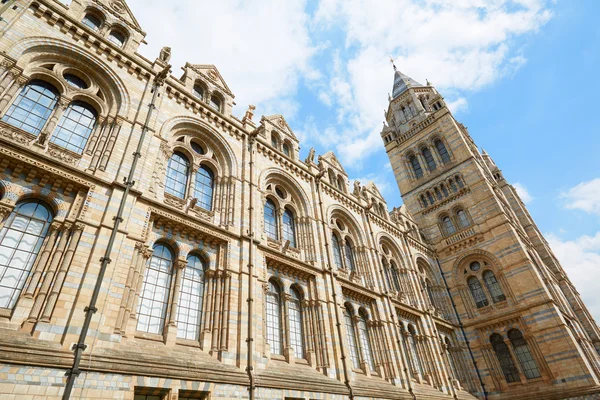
75	81
475	266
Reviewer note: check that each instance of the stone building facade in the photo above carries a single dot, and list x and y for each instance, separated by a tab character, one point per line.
234	269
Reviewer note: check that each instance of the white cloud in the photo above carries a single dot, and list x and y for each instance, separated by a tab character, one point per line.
585	196
581	259
459	45
458	105
262	47
523	192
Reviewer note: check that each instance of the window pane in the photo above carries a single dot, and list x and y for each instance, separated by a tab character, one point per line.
351	339
493	286
271	220
117	38
289	228
477	292
526	360
155	291
365	346
20	246
337	251
462	219
203	189
92	21
189	310
295	319
349	257
429	159
442	151
75	127
177	175
416	166
449	226
511	374
32	107
274	319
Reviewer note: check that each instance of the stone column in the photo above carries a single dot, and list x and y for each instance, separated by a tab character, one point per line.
49	277
43	258
208	307
133	300
225	313
18	82
46	133
62	272
99	130
179	266
216	314
128	285
288	350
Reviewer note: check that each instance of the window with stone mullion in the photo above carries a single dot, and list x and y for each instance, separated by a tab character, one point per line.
273	323
189	309
295	319
365	345
520	347
352	345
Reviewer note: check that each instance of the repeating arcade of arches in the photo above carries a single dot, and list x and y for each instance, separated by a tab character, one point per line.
428	157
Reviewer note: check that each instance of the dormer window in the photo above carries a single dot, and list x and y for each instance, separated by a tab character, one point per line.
117	37
215	103
92	21
198	91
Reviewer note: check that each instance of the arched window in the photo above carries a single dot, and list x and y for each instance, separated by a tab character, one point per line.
365	344
177	175
341	184
424	201
438	194
274	140
453	185
395	275
337	251
416	166
274	318
20	241
442	151
286	149
526	361
477	292
198	91
511	374
387	274
289	227
32	107
215	103
413	349
295	319
351	335
203	187
429	290
463	220
451	361
154	296
428	158
117	37
349	250
448	226
75	127
271	228
189	309
430	197
493	286
92	21
459	182
444	190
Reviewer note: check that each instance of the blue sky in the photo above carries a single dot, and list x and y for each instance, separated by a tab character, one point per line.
520	74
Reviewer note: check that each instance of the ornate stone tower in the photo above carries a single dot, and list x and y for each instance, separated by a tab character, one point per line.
531	335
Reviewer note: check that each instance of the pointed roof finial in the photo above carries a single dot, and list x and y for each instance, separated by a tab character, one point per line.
392	61
427	81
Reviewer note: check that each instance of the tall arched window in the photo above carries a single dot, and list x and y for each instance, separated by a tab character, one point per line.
453	185
203	187
387	273
463	220
349	250
289	227
526	361
92	21
189	309
493	286
511	374
424	201
215	103
271	228
365	344
448	226
351	335
20	241
442	151
274	318
416	166
412	344
337	251
75	127
395	275
32	107
451	361
428	158
117	37
177	175
155	291
429	290
198	91
477	292
295	319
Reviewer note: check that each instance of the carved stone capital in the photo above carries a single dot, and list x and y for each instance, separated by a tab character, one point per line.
4	211
79	226
180	263
147	252
22	80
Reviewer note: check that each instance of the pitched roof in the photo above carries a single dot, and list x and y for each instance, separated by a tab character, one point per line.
402	83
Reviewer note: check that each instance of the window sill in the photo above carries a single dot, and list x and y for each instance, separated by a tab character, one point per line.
277	357
5	312
149	336
63	154
187	342
302	361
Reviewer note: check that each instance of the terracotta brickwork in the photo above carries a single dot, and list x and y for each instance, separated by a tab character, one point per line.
239	270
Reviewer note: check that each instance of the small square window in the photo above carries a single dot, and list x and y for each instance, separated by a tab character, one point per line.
148	393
